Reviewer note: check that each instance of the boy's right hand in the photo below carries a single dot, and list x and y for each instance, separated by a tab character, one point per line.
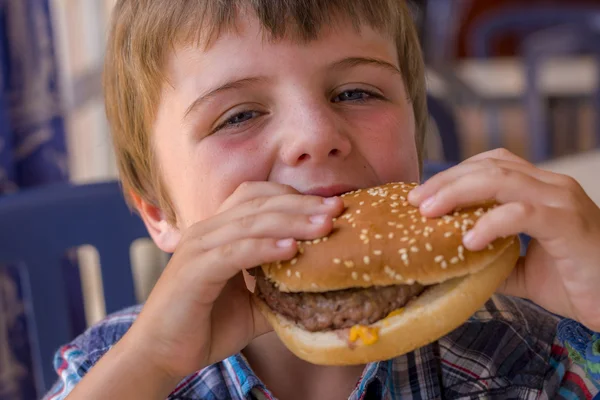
200	310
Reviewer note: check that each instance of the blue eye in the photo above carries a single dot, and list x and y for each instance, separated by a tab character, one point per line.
355	95
238	119
241	117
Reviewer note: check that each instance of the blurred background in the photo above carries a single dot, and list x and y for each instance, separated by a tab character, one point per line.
524	75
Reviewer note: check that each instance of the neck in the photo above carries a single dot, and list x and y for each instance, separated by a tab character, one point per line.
289	377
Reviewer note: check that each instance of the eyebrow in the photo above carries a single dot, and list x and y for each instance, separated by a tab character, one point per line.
351	62
237	84
346	63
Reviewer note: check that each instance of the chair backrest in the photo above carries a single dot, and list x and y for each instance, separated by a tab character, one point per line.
38	227
445	122
564	40
523	20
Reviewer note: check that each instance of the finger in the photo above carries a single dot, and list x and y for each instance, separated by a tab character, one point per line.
516	217
251	190
501	185
224	262
495	166
515	284
288	203
499	154
263	225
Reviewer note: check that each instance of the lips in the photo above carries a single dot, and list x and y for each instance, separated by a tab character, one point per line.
330	191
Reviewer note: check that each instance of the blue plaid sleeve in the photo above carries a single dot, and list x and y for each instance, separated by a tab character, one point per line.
71	364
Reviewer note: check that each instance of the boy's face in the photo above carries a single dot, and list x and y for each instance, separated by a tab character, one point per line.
323	117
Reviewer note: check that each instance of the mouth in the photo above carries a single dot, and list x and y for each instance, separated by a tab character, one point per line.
330	191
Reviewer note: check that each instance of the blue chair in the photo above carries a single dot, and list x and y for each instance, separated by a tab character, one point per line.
445	122
38	227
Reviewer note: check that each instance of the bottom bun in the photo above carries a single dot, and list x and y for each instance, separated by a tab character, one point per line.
436	312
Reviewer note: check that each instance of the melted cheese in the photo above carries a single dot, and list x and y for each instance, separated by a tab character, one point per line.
368	335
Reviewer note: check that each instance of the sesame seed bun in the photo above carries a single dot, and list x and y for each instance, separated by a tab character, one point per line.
382	240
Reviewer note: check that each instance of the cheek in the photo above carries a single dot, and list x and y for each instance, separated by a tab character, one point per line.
386	138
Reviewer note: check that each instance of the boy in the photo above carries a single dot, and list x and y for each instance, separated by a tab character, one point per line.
236	125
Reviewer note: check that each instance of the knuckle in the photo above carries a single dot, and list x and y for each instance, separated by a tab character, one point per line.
226	250
501	152
258	203
523	209
246	222
570	183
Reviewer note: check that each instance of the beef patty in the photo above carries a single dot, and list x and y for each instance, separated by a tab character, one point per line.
336	309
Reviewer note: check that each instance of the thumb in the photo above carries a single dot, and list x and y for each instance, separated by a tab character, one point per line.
261	324
515	284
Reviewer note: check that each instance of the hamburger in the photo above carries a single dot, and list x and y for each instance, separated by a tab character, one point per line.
384	282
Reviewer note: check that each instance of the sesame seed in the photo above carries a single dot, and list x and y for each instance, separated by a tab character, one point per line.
404	257
400	226
461	256
358	211
402	251
366	260
325	238
454	260
412	227
438	259
294	261
412	241
337	261
426	234
298	274
404	239
395	210
418	232
428	247
490	246
316	241
447	234
405	204
366	277
398	277
374	204
444	265
456	224
354	275
391	235
364	231
401	215
366	241
354	225
410	281
377	252
414	249
362	203
349	264
288	272
334	219
313	285
390	223
406	232
440	223
378	236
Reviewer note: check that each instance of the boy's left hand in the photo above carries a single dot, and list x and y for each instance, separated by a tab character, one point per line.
561	271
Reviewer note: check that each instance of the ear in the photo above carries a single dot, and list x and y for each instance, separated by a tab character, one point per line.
165	235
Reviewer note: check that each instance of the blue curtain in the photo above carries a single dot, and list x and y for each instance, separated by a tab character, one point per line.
32	153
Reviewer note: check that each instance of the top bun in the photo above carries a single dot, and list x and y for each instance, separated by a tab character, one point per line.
381	240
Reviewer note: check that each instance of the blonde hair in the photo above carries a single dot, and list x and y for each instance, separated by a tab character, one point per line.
144	31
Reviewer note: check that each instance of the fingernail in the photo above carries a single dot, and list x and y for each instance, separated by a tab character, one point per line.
318	219
330	200
469	238
285	243
413	194
428	203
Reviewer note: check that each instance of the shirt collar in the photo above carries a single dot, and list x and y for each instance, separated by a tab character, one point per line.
374	378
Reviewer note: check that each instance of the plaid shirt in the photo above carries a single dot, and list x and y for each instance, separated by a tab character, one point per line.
507	350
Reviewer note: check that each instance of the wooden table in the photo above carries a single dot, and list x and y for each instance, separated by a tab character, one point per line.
584	167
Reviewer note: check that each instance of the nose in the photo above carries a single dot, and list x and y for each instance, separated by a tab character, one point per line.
314	135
